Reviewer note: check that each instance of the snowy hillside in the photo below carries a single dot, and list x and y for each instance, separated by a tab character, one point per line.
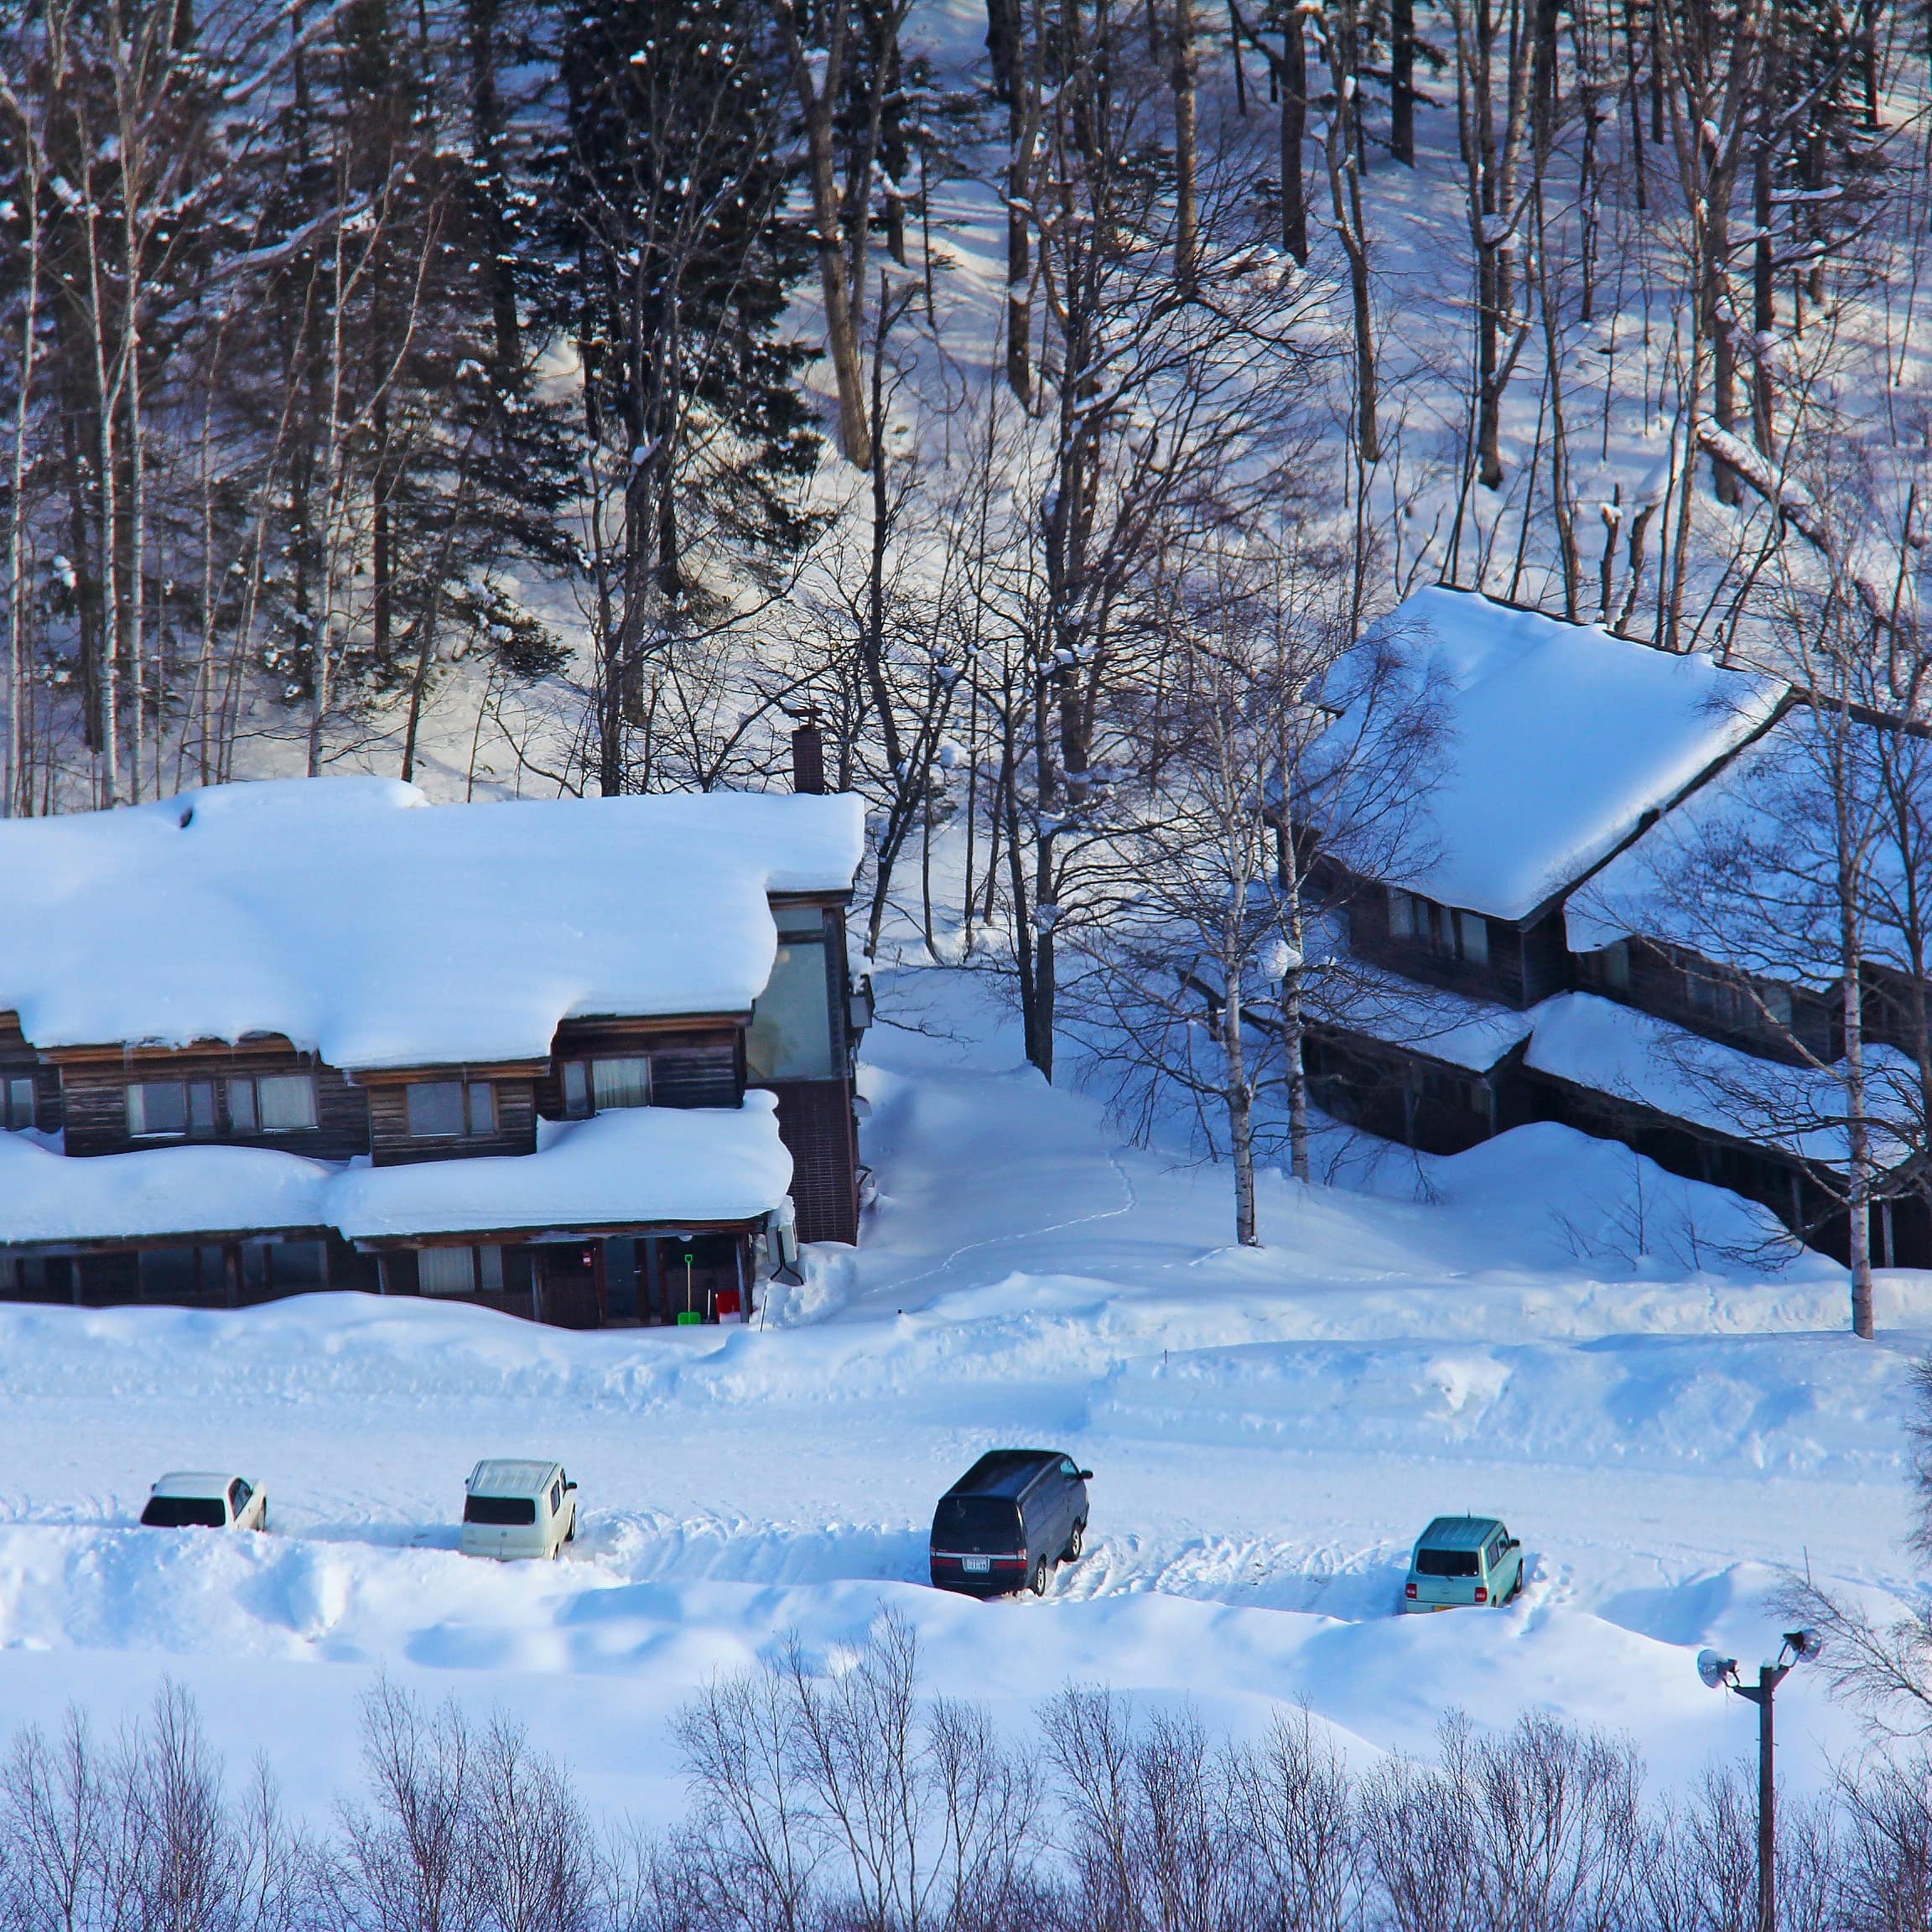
1270	1429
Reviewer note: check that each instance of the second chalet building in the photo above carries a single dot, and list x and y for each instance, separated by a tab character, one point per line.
1516	959
585	1060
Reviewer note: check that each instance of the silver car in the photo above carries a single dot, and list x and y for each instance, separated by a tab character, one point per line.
1464	1562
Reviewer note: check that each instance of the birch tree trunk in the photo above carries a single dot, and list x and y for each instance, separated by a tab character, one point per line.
1240	1117
1182	76
1858	1132
17	800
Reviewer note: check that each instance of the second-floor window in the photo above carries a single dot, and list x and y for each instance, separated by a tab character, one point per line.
1440	929
591	1086
271	1103
1737	1005
170	1110
447	1109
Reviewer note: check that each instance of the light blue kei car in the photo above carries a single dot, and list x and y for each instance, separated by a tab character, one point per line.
1464	1562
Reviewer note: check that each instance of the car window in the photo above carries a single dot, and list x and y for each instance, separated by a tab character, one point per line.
976	1525
238	1495
1445	1562
556	1497
504	1512
1069	1468
184	1512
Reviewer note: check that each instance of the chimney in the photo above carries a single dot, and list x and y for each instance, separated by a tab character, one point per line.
808	755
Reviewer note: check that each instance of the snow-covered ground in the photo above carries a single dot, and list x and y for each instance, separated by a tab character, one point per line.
1540	1328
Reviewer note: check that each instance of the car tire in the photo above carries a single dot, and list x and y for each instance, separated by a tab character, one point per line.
1075	1543
1039	1578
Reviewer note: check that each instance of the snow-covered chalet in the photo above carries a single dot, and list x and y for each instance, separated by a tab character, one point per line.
1516	962
584	1060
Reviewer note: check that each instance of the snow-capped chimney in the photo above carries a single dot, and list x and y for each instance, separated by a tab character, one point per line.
808	755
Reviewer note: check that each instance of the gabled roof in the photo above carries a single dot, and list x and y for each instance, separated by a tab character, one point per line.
1560	739
378	929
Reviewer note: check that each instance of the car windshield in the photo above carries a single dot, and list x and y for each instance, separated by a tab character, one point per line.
507	1512
1446	1563
977	1525
184	1512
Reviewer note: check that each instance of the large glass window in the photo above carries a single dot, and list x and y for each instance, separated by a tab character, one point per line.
435	1109
791	1036
16	1103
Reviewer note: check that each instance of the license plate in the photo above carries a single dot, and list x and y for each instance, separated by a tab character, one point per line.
975	1565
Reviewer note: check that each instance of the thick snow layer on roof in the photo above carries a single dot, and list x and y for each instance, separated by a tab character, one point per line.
380	930
1560	737
1452	1027
631	1164
1745	872
1616	1050
173	1191
640	1163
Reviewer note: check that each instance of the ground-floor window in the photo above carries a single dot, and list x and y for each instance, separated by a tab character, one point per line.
459	1271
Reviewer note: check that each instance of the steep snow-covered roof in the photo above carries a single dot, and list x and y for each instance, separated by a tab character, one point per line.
1452	1027
1560	737
1614	1049
379	930
630	1165
1746	871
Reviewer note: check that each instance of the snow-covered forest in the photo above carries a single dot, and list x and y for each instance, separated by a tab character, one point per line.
1050	400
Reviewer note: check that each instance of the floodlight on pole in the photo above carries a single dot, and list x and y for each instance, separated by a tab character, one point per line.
1720	1673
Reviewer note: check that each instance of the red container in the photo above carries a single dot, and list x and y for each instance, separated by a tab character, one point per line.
730	1304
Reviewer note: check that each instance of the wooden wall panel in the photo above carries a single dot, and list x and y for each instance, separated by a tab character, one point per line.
391	1145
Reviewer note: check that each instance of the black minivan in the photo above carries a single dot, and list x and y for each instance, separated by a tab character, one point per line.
1008	1520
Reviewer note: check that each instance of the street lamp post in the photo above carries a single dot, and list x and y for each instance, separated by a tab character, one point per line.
1721	1673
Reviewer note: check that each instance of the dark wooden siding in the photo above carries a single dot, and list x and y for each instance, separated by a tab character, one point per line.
708	1075
1656	979
815	1125
391	1145
1508	977
94	1101
691	1066
1399	1095
1543	952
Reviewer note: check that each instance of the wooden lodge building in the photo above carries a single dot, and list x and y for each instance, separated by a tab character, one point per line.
1523	970
589	1061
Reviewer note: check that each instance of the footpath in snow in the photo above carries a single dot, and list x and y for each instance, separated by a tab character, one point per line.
1545	1328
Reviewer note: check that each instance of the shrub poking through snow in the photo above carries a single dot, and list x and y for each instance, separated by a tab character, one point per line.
834	1794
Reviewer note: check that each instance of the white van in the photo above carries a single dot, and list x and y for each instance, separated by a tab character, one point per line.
512	1508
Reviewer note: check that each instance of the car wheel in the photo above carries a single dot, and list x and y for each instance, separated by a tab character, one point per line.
1038	1585
1075	1543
